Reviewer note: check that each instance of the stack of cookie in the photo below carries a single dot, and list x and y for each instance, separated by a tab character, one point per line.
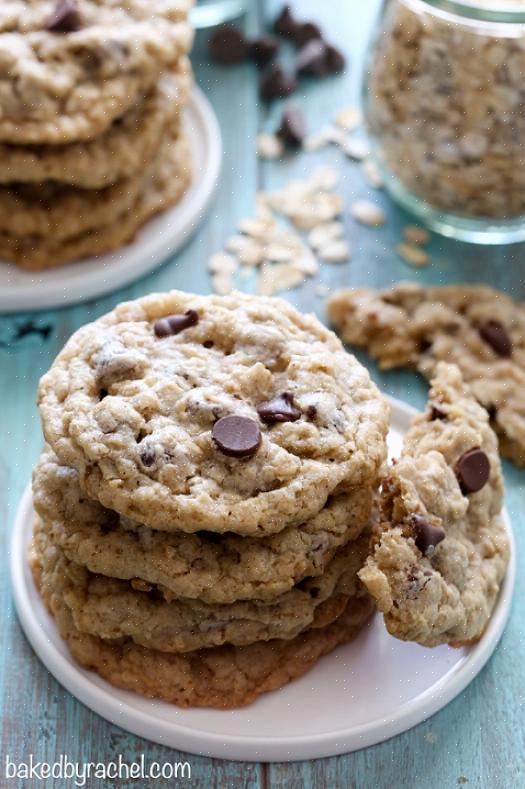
204	495
91	144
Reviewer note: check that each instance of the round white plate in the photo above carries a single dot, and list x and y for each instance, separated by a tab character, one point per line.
155	243
359	695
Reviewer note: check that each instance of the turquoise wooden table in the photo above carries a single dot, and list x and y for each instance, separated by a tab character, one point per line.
480	737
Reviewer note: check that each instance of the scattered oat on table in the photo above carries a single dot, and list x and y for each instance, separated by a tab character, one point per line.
373	174
413	255
337	251
322	234
416	235
367	213
356	148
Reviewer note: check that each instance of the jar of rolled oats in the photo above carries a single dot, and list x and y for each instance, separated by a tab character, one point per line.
445	108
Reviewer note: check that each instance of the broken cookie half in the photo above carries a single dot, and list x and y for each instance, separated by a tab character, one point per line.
441	550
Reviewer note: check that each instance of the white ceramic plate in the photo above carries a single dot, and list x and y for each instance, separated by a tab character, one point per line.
155	243
357	696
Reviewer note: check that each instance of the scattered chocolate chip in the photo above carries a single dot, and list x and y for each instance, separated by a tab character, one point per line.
65	18
425	535
228	45
276	84
147	455
472	470
263	50
334	60
208	343
436	413
311	412
306	32
285	24
280	409
495	335
173	324
237	436
292	130
311	58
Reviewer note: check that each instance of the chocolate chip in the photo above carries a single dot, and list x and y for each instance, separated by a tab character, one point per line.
279	409
425	535
285	24
311	412
147	455
237	436
334	60
436	413
292	130
311	58
65	18
472	470
228	45
306	32
263	50
208	343
495	335
277	85
173	324
102	394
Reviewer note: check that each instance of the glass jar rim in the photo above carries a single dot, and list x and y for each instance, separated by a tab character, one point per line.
490	11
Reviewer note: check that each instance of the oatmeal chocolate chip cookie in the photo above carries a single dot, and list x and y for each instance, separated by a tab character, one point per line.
198	566
133	403
64	85
110	608
59	212
160	189
223	677
442	549
120	152
479	329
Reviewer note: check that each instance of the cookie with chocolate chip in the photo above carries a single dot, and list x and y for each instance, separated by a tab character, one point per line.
223	677
202	566
70	67
440	554
168	430
476	327
144	613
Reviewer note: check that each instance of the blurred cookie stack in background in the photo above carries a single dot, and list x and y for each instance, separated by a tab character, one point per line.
91	141
205	497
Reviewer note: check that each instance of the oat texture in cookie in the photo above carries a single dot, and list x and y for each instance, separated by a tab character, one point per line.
444	105
68	81
110	608
195	566
441	551
163	186
479	329
223	677
120	152
170	408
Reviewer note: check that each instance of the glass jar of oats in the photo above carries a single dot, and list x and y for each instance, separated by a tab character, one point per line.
445	108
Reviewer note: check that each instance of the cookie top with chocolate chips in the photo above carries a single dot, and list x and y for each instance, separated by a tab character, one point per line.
441	551
476	327
68	68
181	412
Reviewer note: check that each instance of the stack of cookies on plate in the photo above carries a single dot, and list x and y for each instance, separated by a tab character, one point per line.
91	144
205	495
